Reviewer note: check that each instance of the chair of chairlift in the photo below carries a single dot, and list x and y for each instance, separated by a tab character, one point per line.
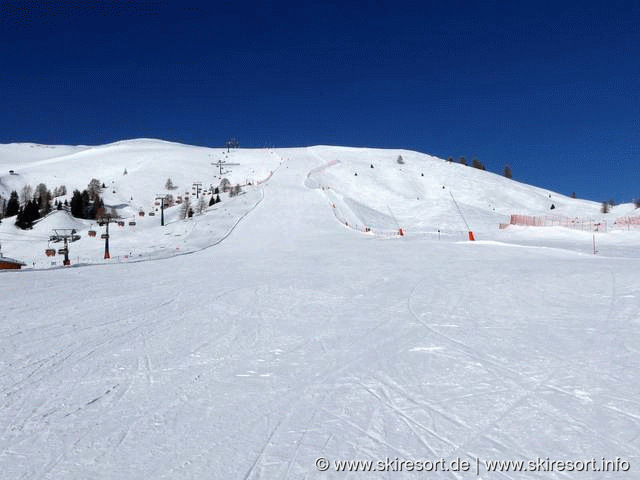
91	233
120	223
141	214
132	223
62	251
50	252
152	214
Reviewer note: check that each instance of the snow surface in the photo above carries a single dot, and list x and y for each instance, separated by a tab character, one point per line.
297	337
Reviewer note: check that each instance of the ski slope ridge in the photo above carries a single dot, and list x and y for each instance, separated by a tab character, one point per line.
367	190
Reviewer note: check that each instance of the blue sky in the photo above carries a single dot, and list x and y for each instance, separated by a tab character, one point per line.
552	89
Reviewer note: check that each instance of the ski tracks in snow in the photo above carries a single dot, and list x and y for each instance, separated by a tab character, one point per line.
534	388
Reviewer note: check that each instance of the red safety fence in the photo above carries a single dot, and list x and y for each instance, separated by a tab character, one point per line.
626	223
584	224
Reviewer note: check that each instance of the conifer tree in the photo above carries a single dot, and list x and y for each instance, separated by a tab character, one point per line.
27	215
77	204
478	164
13	205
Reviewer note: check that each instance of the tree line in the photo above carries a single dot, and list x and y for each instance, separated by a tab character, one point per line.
39	202
475	163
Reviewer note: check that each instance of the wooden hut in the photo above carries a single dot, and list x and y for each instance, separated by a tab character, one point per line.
7	263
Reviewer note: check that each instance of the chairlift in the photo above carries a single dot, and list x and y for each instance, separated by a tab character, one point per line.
152	214
50	252
141	213
92	233
104	236
120	223
132	223
62	251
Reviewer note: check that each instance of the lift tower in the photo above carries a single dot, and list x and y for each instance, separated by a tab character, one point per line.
162	198
102	221
65	235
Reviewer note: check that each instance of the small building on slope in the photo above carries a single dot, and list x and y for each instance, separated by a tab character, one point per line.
7	263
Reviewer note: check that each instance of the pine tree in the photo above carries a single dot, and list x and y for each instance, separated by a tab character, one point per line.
20	218
507	171
27	215
77	204
13	205
478	164
462	161
212	201
86	200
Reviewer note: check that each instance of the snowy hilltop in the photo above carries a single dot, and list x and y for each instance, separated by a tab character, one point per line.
374	191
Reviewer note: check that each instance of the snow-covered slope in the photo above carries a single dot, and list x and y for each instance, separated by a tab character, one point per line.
367	189
296	339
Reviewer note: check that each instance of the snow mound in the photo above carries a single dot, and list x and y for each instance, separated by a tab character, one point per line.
59	219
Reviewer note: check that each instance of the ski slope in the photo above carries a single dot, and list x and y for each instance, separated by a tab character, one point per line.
296	337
